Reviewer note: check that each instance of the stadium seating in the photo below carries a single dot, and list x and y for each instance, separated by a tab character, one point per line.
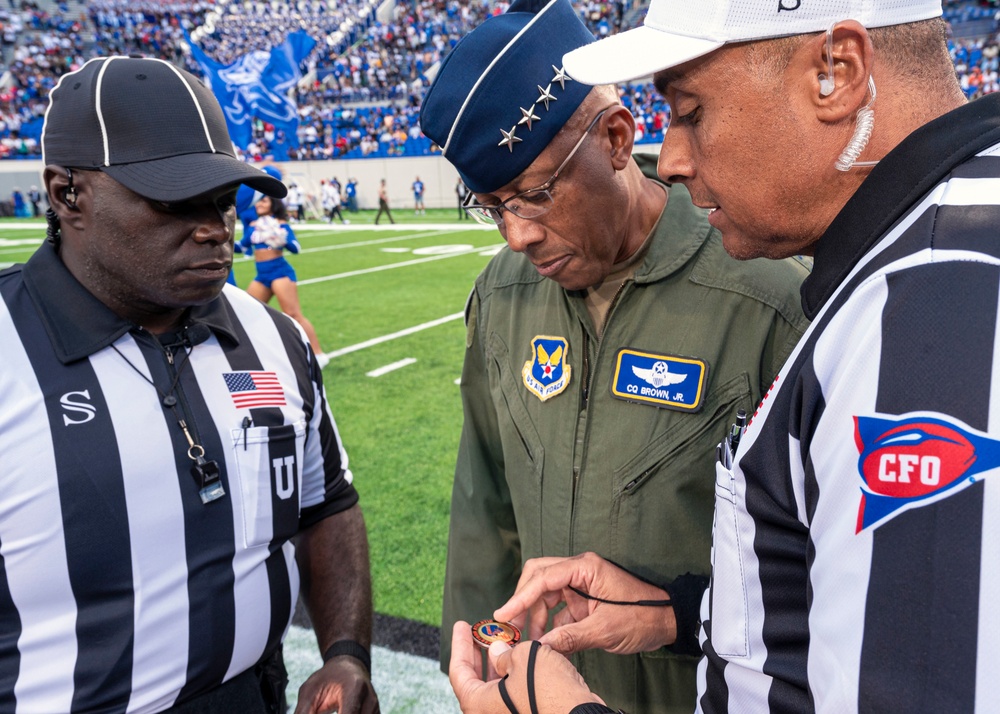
364	80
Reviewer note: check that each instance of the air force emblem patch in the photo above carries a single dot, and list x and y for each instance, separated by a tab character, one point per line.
664	381
908	463
547	373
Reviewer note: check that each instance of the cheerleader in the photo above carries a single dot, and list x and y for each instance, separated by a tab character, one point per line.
267	238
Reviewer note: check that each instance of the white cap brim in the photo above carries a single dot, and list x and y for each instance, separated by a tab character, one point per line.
633	54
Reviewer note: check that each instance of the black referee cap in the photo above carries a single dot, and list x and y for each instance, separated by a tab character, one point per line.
152	127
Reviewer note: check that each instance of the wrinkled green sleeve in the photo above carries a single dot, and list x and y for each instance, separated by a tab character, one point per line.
484	553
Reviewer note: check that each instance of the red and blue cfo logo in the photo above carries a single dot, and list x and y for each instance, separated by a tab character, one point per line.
907	463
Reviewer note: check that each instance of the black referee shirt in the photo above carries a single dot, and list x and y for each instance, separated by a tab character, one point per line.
856	561
119	588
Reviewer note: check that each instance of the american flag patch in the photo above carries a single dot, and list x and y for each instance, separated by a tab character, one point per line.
255	389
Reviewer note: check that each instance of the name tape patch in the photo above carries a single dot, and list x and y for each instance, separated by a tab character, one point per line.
665	381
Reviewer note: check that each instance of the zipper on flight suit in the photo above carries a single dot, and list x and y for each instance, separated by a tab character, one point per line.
588	378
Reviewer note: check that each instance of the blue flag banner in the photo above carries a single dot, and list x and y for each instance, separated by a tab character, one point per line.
256	85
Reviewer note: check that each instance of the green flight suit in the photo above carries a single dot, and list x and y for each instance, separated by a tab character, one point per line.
586	471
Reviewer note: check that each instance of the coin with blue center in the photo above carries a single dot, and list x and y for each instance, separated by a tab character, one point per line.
486	632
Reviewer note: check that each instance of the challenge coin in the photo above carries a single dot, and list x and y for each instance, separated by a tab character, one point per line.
486	632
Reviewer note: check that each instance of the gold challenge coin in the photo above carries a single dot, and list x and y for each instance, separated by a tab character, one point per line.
486	632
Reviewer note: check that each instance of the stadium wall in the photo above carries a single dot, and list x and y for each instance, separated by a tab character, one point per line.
438	175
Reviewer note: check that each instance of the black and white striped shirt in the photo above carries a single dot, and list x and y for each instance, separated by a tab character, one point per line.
856	561
120	591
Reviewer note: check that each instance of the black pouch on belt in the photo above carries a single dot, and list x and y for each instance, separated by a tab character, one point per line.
273	680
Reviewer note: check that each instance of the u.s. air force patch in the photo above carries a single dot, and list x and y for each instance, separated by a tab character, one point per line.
547	373
665	381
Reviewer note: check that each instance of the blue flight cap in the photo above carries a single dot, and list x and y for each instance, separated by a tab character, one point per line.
501	95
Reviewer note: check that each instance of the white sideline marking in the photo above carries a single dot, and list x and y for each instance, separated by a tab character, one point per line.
391	367
391	266
395	335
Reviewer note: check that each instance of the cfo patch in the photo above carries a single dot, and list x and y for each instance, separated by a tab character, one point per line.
547	373
908	463
665	381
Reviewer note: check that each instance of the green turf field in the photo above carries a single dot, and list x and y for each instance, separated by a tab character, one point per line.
358	285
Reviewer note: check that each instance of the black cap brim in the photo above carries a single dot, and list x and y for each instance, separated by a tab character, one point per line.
179	178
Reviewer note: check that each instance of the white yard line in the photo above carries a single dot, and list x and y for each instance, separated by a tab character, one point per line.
395	335
376	241
385	227
18	246
391	266
392	367
15	245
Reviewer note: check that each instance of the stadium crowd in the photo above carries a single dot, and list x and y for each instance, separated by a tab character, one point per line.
362	82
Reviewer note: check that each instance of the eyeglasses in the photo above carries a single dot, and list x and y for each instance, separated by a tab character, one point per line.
530	204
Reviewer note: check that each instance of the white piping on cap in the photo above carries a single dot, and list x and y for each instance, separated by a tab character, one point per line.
444	151
100	115
201	114
45	121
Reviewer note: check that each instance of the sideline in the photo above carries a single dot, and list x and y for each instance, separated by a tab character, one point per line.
395	335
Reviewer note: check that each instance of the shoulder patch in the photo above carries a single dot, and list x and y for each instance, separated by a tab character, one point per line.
547	373
911	461
665	381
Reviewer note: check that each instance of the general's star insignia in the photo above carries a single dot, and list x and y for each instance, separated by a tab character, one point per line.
528	116
509	139
545	96
561	76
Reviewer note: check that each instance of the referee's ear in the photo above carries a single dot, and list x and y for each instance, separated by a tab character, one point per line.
66	192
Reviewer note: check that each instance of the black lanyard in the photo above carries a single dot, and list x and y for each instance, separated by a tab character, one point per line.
206	472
